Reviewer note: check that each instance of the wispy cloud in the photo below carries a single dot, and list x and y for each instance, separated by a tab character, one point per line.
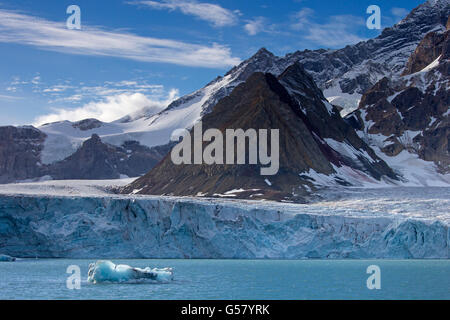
6	97
28	30
57	88
255	26
212	13
74	94
340	30
36	80
111	108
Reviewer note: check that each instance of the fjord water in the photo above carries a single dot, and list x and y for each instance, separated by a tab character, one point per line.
235	279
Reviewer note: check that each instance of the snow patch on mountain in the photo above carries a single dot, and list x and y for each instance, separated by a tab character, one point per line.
83	188
415	171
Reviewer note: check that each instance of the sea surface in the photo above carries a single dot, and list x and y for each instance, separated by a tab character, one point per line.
235	279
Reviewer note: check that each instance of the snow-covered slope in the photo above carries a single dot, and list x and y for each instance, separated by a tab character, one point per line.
392	223
78	188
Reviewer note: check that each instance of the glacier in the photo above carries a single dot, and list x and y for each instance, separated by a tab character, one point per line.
365	223
106	271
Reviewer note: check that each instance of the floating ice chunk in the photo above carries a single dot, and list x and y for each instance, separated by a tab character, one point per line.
6	258
106	271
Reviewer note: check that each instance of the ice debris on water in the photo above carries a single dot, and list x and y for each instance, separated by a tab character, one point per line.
106	271
6	258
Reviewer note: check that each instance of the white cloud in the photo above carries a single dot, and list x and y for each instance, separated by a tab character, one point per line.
110	108
255	26
301	18
212	13
339	31
57	88
28	30
36	80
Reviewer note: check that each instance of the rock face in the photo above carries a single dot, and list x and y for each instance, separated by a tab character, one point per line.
312	136
87	124
411	113
20	149
20	158
98	160
429	49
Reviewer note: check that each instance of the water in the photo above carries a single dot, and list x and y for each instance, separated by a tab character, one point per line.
236	279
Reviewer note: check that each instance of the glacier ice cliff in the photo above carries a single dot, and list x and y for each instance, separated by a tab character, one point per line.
166	227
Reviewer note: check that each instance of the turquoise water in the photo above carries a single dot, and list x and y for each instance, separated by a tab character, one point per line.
236	279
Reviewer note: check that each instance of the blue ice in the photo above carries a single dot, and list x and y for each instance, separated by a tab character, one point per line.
106	271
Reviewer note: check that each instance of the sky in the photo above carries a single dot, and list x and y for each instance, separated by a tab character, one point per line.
131	54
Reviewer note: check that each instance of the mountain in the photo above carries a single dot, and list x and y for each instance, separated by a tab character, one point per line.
20	150
98	160
314	142
406	118
21	158
344	75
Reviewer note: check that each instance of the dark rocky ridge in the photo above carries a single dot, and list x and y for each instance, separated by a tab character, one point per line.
20	149
98	160
429	49
20	154
263	103
416	104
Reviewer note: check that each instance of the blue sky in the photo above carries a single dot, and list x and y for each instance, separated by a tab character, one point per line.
130	54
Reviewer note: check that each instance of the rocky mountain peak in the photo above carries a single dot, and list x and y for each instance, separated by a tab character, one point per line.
435	10
264	101
263	52
408	116
296	77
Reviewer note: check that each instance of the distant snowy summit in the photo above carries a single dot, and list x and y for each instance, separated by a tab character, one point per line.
348	78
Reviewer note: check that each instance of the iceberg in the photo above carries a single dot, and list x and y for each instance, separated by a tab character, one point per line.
106	271
6	258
